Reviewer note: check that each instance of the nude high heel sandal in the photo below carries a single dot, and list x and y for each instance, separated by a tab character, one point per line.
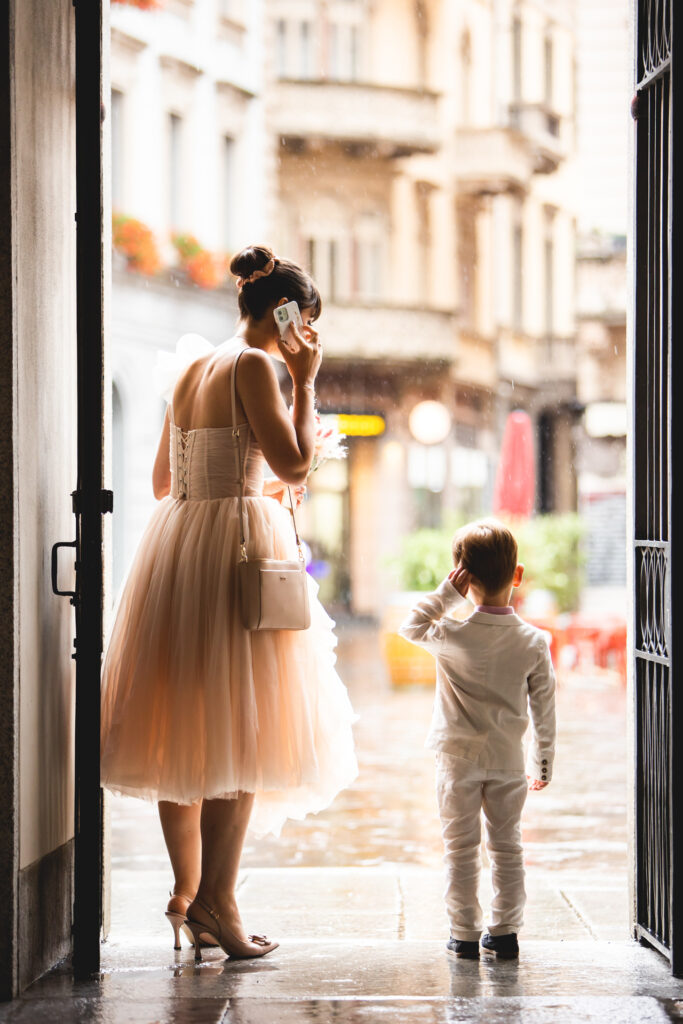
178	921
258	945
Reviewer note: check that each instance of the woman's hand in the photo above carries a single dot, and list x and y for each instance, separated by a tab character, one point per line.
303	365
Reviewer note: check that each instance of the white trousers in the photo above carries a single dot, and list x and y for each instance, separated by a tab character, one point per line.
464	791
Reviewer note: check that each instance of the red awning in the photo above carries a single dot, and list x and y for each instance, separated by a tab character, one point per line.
515	487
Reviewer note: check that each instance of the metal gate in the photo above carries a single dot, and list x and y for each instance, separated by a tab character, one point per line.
657	692
90	500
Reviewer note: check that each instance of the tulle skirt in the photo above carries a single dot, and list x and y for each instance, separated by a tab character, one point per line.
194	705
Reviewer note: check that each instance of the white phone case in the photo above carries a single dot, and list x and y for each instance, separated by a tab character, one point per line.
284	316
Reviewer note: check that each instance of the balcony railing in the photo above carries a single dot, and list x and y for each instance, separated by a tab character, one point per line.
384	119
492	160
540	127
557	359
535	362
371	332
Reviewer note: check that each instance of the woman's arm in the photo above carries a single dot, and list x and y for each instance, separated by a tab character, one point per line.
287	442
161	474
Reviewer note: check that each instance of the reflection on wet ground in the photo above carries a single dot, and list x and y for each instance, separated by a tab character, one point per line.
354	896
389	814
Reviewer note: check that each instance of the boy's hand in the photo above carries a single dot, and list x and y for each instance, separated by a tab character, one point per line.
461	579
536	784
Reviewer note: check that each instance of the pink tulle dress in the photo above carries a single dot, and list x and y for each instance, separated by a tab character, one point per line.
193	705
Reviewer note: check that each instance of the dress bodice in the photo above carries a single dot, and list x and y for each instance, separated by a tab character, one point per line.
203	463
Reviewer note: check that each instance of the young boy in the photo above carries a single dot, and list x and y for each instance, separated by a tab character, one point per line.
490	670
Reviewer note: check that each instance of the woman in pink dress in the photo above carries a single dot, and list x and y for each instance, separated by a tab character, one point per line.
225	728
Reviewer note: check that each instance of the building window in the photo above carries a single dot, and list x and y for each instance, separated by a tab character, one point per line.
552	120
354	58
548	70
467	263
305	50
344	55
367	255
517	272
333	53
516	59
228	191
281	48
333	261
465	78
549	276
175	132
117	153
323	262
310	258
423	191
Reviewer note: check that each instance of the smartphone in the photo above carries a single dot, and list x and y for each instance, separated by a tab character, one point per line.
284	316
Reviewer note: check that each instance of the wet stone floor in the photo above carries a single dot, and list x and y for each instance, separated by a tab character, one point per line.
354	896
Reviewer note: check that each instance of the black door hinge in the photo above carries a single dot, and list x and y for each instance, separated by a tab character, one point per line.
106	502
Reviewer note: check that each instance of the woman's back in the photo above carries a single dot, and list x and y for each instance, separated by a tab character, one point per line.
203	446
201	398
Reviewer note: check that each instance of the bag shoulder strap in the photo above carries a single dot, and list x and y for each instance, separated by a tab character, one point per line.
239	469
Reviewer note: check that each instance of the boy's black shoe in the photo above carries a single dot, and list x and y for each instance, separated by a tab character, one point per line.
505	947
464	950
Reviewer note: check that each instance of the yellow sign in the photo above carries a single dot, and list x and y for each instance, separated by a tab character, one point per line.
359	425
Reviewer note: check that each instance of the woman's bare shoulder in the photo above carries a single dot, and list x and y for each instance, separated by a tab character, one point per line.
255	370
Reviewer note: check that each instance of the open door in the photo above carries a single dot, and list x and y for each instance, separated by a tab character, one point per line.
91	501
658	691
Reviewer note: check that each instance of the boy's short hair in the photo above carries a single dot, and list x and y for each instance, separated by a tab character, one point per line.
488	550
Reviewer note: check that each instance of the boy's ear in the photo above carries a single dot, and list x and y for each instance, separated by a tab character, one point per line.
519	572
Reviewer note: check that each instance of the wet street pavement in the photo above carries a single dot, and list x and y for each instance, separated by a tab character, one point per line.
354	896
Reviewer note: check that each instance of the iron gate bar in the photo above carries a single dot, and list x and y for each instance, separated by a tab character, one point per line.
675	226
658	700
90	328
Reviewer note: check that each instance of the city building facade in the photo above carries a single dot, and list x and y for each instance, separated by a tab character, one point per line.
602	173
417	157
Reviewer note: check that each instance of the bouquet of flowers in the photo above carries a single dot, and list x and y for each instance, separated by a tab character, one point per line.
328	444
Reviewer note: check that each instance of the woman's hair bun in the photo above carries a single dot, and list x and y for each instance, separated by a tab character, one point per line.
254	257
259	292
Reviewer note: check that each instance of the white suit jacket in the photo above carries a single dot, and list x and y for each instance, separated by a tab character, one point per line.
491	670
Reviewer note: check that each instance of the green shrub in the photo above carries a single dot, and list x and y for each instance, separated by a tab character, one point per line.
549	547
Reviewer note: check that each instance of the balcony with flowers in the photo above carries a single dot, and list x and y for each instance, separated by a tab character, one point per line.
139	251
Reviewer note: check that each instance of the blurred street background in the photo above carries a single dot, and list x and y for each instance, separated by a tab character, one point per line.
454	175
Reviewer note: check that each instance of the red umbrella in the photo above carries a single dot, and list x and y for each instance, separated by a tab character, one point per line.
515	487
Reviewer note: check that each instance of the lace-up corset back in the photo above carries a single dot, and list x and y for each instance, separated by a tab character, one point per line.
203	463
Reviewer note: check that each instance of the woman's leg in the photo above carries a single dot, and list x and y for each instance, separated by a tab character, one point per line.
223	828
180	824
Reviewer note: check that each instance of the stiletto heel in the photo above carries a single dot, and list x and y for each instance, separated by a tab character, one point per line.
257	945
177	922
196	930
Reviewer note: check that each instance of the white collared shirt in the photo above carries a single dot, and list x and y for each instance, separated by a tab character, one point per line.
491	671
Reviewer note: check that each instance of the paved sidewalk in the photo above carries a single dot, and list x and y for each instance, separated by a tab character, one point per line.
354	895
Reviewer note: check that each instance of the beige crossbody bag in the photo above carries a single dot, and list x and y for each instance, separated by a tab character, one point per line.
273	593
